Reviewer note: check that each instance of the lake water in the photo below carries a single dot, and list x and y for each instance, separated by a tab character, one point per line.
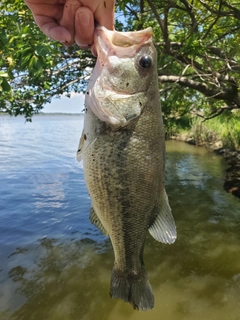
55	265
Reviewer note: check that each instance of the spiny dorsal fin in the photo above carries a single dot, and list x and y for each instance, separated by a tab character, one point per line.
95	220
164	229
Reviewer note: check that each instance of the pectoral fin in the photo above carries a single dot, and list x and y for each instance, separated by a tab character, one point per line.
95	220
80	147
163	228
84	144
92	129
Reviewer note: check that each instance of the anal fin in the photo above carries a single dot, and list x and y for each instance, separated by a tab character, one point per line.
163	228
95	220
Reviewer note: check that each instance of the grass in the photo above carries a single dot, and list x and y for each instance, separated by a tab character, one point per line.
225	127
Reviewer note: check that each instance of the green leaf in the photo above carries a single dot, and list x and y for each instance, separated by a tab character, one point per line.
5	85
3	74
3	38
33	62
47	85
42	51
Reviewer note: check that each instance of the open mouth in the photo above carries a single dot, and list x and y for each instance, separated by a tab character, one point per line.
121	44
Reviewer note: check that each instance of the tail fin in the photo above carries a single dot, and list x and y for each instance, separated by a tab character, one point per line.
132	288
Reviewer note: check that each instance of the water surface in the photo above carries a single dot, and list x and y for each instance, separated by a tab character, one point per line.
55	265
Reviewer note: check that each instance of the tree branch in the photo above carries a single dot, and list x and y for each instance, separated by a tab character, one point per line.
191	14
162	23
233	12
133	12
230	95
214	22
215	113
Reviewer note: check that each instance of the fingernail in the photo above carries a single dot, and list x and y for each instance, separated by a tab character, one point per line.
64	42
84	46
85	18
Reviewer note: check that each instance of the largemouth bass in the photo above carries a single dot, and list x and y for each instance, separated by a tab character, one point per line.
123	149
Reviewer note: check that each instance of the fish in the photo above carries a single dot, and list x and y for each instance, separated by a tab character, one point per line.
122	147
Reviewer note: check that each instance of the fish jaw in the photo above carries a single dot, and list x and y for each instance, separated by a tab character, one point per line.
120	44
117	51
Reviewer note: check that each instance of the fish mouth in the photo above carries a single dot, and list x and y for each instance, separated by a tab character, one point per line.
120	44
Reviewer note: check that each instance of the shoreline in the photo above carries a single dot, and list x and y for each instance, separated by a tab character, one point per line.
232	157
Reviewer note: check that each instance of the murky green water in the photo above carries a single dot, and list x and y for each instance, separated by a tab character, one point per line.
65	276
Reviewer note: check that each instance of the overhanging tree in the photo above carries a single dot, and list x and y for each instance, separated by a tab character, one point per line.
199	53
33	68
197	43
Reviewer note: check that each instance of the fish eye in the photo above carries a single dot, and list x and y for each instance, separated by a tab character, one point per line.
145	62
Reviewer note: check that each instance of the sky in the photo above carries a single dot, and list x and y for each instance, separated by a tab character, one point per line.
75	104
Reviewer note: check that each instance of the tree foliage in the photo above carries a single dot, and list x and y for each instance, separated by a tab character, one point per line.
199	52
197	43
33	68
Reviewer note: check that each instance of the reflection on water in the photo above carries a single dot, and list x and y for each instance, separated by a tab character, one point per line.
68	281
55	265
50	190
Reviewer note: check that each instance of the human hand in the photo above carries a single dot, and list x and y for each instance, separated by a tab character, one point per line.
70	21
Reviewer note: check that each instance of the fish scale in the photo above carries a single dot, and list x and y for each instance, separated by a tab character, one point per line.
123	150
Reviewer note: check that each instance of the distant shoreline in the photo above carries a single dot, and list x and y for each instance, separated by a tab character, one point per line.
46	114
58	114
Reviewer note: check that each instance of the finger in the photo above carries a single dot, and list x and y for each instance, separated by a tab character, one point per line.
94	50
104	14
84	27
48	9
68	19
52	29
